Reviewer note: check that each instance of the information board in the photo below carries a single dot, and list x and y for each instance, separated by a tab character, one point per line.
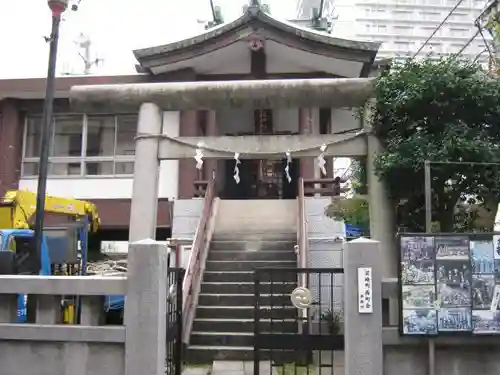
450	284
365	290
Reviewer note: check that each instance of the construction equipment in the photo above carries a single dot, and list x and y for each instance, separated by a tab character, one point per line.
18	206
63	253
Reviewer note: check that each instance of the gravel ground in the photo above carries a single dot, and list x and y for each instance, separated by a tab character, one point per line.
108	267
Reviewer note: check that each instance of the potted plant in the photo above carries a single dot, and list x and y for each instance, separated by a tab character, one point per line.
333	321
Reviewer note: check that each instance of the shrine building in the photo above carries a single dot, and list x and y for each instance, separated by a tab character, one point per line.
92	154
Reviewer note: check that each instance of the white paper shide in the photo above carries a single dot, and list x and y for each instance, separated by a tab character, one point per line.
365	292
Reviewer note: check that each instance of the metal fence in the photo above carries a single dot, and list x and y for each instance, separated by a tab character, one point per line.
174	322
297	328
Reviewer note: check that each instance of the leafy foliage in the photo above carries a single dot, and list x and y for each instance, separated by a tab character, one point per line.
493	27
354	211
445	111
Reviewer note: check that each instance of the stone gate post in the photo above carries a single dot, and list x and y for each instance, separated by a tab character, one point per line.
144	204
146	308
363	321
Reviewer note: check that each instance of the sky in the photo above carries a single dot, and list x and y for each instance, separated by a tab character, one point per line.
116	28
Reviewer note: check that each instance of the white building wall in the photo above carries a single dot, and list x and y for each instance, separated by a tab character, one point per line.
112	187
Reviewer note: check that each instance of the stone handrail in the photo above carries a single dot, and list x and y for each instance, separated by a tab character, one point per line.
196	263
137	346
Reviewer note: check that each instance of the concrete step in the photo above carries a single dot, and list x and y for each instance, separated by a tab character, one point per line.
231	265
275	300
254	236
206	354
244	325
247	288
245	276
210	338
265	255
245	312
264	245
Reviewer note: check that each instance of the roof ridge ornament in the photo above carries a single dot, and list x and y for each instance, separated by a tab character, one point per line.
253	8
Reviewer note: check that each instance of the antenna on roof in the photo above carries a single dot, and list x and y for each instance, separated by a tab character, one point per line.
217	18
84	45
319	20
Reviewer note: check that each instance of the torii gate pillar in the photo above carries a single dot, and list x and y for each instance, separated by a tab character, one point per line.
143	210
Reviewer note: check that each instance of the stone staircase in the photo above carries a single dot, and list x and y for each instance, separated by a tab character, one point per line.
223	325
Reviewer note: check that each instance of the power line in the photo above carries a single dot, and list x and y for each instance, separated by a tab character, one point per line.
471	39
438	27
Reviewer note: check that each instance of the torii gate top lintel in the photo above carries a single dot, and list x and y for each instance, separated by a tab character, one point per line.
295	93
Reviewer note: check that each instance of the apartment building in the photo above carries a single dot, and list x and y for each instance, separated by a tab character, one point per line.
404	25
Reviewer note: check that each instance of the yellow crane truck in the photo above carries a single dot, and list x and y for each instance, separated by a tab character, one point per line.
18	207
64	249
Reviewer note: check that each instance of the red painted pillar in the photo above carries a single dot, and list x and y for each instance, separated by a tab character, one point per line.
11	145
212	131
306	127
188	173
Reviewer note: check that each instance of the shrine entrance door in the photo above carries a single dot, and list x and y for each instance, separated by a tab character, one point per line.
261	179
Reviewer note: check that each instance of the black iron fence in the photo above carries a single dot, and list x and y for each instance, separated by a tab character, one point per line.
297	329
174	322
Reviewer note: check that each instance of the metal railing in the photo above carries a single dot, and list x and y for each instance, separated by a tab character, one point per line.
196	264
302	243
326	187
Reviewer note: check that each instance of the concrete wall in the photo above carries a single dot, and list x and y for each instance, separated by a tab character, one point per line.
49	347
454	355
325	238
255	217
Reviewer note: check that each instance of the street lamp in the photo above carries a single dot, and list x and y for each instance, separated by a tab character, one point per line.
57	7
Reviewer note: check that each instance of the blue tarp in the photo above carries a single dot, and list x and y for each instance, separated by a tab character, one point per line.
114	303
352	231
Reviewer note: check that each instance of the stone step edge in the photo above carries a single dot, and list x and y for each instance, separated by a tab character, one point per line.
216	333
219	347
246	294
252	261
262	307
236	320
277	283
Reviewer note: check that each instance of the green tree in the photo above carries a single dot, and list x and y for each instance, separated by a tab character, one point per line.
444	110
354	210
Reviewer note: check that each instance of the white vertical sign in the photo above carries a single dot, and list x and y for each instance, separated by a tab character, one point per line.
496	298
365	289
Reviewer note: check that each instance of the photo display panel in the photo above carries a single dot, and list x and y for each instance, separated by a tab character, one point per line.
450	283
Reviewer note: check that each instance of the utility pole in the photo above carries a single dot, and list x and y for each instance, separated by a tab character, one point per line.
57	7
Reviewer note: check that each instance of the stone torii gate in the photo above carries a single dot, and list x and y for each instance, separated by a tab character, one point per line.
151	99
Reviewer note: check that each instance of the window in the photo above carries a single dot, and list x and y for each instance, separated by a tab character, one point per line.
402	14
459	33
428	31
460	17
403	30
81	145
433	48
402	46
431	16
